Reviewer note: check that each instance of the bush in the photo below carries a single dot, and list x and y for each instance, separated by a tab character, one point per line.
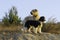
51	26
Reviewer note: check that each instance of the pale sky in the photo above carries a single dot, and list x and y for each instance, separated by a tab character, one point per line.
46	8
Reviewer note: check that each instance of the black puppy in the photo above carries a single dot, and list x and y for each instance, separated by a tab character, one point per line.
34	23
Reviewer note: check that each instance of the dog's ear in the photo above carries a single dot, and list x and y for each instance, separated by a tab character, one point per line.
42	18
31	13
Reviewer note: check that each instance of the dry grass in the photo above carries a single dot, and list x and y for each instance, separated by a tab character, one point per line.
51	28
10	28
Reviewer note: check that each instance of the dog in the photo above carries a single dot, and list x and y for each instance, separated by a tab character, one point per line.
37	24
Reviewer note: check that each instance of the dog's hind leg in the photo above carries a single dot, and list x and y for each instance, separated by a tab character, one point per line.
29	30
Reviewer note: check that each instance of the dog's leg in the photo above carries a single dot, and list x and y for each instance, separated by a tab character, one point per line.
35	30
39	28
29	30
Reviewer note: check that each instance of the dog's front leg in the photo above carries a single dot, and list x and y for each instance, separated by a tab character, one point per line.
35	30
39	28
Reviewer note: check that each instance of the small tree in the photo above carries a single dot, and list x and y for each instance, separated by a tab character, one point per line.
12	18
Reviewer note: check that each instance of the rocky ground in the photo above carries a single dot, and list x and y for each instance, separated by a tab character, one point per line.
28	36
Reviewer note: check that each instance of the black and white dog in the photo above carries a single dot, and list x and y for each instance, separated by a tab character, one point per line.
37	25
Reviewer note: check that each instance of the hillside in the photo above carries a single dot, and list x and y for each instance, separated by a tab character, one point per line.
28	36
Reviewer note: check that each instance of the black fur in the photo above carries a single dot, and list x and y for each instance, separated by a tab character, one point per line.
34	22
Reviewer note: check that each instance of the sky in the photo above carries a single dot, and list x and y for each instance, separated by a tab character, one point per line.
47	8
